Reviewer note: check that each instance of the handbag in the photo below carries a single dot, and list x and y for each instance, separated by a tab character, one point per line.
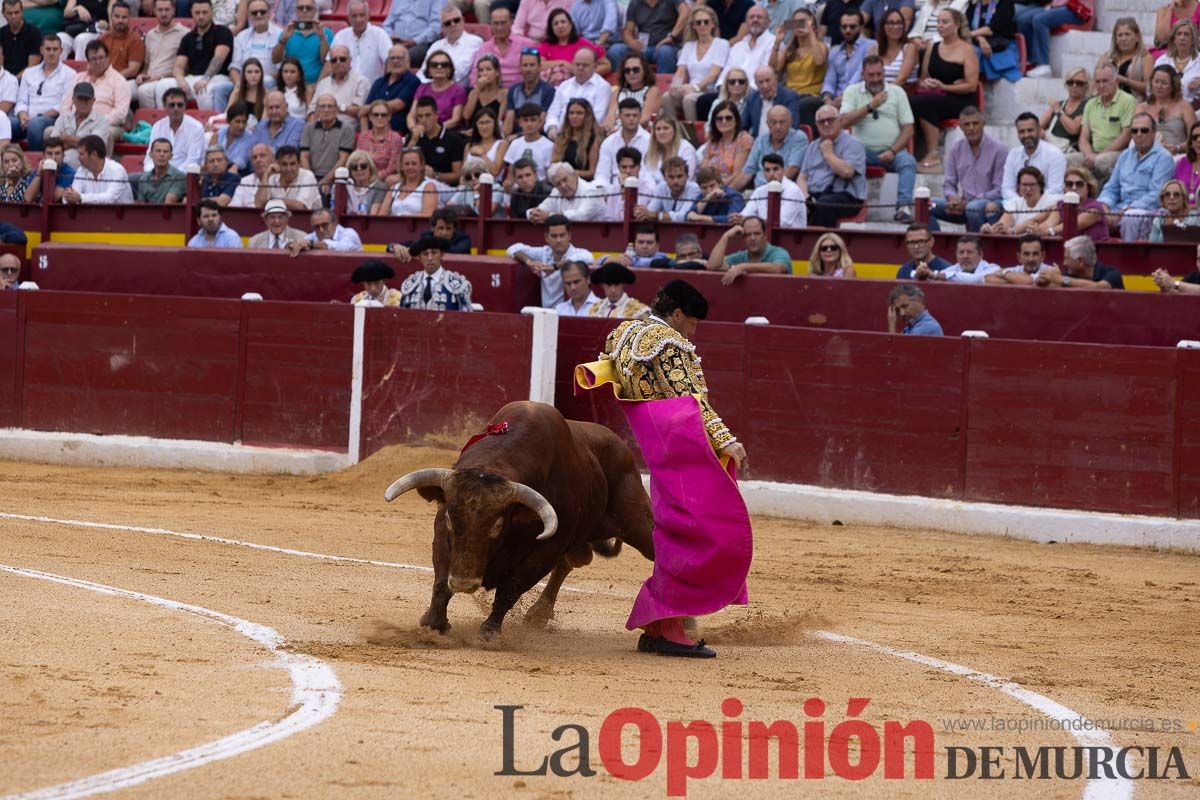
1084	9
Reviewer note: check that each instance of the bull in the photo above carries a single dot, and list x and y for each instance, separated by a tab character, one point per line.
536	501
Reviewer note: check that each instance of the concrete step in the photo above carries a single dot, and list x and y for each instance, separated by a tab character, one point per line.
1005	100
1107	14
883	190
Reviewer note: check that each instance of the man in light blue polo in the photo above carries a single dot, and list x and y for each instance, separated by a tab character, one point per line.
845	60
1131	194
907	303
416	24
780	139
881	118
213	232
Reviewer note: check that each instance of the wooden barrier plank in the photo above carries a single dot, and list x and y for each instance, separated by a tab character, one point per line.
854	410
110	364
1071	426
297	374
437	377
9	360
1188	454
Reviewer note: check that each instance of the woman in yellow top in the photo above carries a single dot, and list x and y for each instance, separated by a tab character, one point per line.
803	57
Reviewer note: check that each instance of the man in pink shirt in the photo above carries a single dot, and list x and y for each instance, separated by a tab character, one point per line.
112	90
505	46
532	16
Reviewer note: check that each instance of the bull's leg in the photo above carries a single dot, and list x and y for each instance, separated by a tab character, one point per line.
507	595
629	517
435	616
542	611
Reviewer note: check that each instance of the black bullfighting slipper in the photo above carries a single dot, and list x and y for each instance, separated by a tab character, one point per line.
665	647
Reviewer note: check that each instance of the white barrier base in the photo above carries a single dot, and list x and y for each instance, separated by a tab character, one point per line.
84	449
793	501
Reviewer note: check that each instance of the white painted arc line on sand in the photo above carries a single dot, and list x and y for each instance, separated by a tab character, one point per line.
316	693
1099	789
202	537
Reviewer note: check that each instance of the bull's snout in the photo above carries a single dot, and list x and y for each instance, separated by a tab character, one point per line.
464	585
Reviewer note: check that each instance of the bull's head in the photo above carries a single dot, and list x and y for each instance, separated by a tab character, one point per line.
476	506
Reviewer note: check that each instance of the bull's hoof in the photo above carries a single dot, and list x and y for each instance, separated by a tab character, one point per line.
489	630
539	615
441	625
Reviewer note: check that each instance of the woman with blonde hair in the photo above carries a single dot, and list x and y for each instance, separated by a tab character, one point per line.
1166	104
666	140
802	57
1182	55
1174	211
1063	120
1092	219
1129	55
365	190
949	80
578	142
735	90
1167	16
700	63
414	195
831	258
20	184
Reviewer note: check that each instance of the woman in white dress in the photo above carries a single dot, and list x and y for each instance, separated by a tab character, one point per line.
415	195
700	63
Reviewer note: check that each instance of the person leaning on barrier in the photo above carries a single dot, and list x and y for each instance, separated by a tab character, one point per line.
688	255
162	183
970	267
546	261
793	210
53	150
576	199
527	190
673	198
327	235
289	182
1081	269
374	274
217	181
1188	284
443	225
1031	251
213	232
759	255
10	272
645	249
717	202
99	180
907	303
919	242
435	288
279	234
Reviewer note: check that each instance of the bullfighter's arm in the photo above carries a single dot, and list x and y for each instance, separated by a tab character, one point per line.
686	377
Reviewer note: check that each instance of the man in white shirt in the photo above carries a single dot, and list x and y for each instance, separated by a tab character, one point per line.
347	87
576	279
793	213
673	197
629	165
40	94
1034	151
970	267
574	198
185	133
9	86
629	134
260	162
279	234
99	180
1031	252
327	235
289	182
455	42
367	44
546	261
256	40
530	144
586	85
754	49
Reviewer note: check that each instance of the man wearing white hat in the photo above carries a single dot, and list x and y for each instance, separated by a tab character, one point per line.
279	233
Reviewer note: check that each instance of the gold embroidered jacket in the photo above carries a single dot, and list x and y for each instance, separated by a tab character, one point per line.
653	362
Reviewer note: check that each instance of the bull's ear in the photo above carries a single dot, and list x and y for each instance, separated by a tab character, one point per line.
432	494
522	515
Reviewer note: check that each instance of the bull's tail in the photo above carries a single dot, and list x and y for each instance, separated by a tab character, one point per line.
608	548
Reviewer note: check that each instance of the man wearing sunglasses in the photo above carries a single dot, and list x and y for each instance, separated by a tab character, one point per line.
368	44
882	120
457	43
416	24
1131	194
257	40
833	174
186	134
307	41
530	89
346	86
10	271
845	59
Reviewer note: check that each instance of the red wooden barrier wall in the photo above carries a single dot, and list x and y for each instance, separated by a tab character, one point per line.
130	365
435	376
296	374
1074	426
499	284
10	344
1187	433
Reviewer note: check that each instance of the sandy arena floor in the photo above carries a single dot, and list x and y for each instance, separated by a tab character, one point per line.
92	682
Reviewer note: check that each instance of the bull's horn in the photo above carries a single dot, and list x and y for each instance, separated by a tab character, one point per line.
528	497
415	480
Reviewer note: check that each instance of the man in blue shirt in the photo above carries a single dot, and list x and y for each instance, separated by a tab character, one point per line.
919	242
907	303
279	128
596	20
845	60
396	87
717	201
213	232
1131	194
416	24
